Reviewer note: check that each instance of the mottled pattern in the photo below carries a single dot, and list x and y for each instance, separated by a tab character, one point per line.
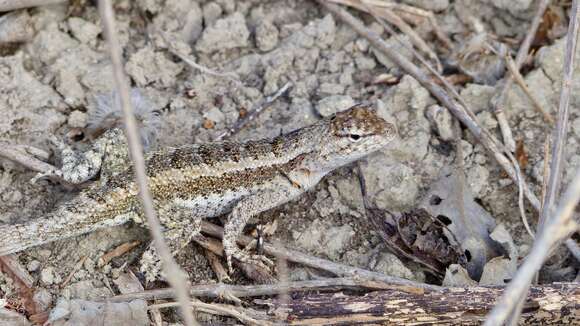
203	180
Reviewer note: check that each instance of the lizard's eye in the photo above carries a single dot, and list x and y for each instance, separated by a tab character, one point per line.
354	137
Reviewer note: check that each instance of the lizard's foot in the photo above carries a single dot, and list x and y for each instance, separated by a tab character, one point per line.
245	257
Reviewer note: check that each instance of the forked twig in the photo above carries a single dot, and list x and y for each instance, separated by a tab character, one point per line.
176	277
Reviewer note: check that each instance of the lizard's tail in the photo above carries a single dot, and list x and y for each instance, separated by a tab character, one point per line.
75	218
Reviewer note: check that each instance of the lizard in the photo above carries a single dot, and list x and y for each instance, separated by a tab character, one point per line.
199	181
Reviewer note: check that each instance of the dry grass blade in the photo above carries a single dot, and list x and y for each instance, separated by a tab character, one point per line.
176	277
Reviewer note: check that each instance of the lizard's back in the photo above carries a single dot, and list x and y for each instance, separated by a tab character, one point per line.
211	178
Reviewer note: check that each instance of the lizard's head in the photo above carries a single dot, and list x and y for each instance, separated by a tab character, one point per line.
353	134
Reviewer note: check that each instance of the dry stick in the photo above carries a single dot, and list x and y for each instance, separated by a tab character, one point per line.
498	102
511	65
248	291
561	129
465	116
176	277
318	263
14	153
217	309
551	230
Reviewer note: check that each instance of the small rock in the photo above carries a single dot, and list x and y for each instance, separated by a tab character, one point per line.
394	42
147	66
47	276
320	238
84	31
227	33
42	298
389	264
12	318
457	276
33	265
364	63
211	12
266	36
16	27
215	115
330	89
333	104
477	96
441	121
49	43
77	119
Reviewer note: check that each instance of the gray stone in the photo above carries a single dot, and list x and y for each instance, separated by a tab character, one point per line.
227	33
266	36
211	12
333	104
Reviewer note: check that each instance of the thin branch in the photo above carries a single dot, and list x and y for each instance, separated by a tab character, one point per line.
175	276
248	291
241	314
14	153
561	129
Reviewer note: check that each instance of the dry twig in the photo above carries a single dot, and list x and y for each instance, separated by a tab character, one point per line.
241	314
176	277
244	291
116	252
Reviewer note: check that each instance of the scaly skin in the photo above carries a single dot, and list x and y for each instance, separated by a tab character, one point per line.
204	180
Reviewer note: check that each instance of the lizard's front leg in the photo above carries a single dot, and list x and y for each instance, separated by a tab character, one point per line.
241	214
